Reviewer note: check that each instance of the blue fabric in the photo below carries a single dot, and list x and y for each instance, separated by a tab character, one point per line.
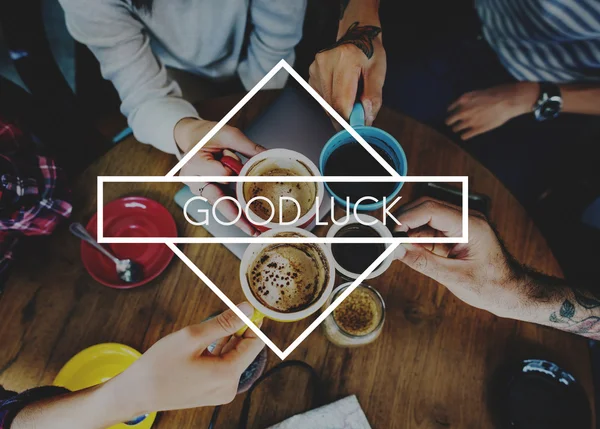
524	154
591	215
425	84
544	40
12	403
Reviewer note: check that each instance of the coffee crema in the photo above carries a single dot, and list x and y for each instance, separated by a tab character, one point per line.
358	320
359	314
302	192
288	277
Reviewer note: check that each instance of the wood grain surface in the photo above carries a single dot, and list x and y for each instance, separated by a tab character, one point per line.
429	369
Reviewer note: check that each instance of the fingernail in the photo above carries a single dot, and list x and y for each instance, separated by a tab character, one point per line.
401	228
400	252
246	308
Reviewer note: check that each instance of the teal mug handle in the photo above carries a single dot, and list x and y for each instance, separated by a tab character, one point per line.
357	117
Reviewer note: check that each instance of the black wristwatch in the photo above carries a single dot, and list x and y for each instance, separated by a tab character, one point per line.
549	103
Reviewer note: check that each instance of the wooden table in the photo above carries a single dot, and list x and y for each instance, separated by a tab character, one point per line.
429	368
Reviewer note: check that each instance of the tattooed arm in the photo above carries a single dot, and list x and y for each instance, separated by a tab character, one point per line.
561	306
483	274
357	54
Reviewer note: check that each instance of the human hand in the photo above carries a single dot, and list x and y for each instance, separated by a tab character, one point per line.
480	272
206	162
178	372
478	112
175	373
337	70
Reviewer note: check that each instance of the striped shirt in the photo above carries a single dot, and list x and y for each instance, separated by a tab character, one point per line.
544	40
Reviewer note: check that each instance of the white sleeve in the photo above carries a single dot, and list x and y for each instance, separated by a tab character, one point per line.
277	29
150	100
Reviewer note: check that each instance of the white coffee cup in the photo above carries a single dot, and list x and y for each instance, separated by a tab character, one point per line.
273	159
261	310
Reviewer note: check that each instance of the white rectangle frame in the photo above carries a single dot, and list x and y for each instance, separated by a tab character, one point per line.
464	180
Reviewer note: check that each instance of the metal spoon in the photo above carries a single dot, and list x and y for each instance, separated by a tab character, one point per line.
127	270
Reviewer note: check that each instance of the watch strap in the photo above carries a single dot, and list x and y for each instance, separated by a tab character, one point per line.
548	90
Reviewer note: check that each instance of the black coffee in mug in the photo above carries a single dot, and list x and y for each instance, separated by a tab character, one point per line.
357	257
353	160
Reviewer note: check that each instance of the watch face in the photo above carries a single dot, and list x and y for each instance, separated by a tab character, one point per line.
550	109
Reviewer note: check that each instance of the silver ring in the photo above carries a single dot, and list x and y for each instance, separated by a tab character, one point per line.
202	188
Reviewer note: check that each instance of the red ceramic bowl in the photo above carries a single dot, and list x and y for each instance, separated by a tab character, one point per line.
130	217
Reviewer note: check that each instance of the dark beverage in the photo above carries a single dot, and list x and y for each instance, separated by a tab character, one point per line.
353	160
357	257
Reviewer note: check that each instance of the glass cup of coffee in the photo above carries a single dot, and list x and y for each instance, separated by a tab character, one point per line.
352	259
358	320
286	281
342	155
272	204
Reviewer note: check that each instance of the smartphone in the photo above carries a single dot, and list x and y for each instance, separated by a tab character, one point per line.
453	195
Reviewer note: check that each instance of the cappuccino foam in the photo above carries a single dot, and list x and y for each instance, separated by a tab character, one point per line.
302	192
288	277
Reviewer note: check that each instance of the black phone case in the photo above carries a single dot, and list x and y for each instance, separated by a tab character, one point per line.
453	195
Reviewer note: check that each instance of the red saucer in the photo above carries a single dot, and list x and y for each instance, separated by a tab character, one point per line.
130	217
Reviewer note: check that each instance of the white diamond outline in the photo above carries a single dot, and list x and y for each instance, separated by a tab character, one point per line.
171	242
282	354
282	64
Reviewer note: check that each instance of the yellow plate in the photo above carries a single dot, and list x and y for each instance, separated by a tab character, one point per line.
96	365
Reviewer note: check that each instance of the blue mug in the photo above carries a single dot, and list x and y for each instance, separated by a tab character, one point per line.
375	137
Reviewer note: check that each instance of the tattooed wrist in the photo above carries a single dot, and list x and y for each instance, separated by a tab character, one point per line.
571	309
360	36
579	313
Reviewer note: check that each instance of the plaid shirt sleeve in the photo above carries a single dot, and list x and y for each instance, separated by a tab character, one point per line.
34	195
33	199
11	403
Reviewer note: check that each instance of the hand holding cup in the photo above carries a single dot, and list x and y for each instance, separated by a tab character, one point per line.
179	372
207	162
